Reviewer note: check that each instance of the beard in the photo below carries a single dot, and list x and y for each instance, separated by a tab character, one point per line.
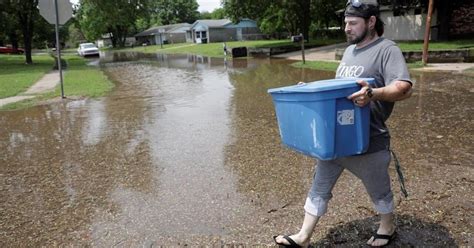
357	38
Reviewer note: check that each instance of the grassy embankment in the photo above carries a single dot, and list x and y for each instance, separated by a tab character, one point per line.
80	80
469	72
404	46
332	66
437	45
216	50
16	76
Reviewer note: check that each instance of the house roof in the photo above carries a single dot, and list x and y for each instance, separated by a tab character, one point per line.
167	28
179	30
213	23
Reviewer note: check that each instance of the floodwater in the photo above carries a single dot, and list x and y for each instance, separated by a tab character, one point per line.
186	151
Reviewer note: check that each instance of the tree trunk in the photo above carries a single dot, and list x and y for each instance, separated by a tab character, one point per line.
117	36
121	36
444	16
26	13
27	40
113	36
306	15
13	36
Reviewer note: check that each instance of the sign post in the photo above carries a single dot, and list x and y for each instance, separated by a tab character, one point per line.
49	9
302	48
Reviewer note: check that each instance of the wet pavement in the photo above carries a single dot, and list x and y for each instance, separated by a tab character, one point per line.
186	151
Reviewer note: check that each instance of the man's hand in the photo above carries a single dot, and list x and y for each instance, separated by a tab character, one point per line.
361	97
396	91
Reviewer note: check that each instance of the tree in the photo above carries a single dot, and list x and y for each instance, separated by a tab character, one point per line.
20	15
167	12
205	15
294	16
20	22
45	33
114	17
9	26
324	12
3	23
75	35
218	13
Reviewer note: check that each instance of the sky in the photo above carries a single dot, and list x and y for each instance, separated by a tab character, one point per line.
204	5
208	5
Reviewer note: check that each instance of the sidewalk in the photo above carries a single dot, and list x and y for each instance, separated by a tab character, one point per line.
324	53
46	83
456	67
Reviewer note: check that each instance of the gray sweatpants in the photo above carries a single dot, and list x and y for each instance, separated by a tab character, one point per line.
371	168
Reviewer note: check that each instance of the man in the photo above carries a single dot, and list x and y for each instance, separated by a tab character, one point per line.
369	55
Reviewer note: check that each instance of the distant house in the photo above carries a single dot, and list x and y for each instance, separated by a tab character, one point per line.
173	33
410	24
206	31
106	41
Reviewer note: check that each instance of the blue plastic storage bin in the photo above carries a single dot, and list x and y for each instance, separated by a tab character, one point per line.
318	120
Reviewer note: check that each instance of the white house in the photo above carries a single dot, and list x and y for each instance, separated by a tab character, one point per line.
173	33
410	26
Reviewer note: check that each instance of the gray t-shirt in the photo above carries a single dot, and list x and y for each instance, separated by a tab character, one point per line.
383	61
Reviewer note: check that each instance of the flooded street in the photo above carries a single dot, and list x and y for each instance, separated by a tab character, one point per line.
186	151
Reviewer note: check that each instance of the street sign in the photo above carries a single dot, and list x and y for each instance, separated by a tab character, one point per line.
56	12
48	12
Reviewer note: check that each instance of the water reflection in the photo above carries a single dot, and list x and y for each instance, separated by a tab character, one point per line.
437	124
96	123
185	150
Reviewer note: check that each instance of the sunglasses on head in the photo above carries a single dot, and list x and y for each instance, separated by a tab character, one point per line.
354	3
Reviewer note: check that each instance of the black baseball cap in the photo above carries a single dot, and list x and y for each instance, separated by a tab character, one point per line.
362	8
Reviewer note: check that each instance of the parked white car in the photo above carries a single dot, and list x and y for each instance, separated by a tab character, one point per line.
87	49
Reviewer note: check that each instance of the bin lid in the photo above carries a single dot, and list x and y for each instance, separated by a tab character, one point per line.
321	85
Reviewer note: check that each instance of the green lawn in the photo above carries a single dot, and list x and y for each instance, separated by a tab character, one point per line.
16	76
436	45
332	66
80	80
83	80
209	49
216	49
317	65
469	72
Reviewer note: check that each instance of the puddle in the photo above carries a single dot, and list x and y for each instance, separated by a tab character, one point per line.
185	151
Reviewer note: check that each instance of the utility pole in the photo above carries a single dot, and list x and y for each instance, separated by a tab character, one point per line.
427	32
